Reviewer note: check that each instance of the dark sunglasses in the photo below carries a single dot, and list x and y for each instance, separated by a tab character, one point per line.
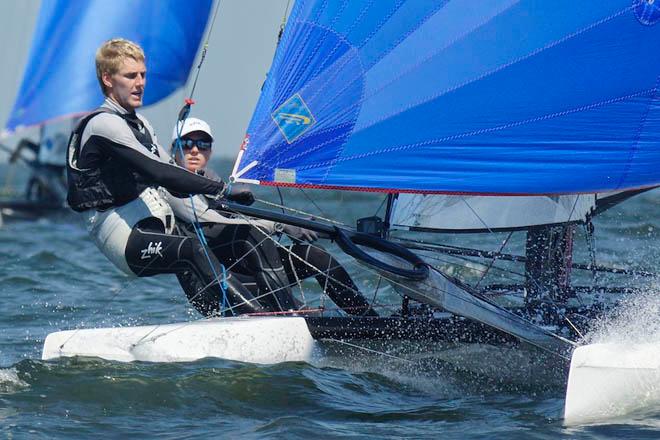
201	145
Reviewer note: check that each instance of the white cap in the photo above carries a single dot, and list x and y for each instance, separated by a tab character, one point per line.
190	125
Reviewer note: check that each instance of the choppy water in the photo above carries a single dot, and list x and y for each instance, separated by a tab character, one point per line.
52	277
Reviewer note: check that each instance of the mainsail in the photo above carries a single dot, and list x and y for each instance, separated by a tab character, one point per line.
505	97
60	78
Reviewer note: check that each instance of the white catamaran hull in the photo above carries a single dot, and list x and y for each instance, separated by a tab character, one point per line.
612	380
261	340
605	380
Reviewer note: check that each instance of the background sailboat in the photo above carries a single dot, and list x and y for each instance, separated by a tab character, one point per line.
59	82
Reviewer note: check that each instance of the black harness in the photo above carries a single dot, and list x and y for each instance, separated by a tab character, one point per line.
109	181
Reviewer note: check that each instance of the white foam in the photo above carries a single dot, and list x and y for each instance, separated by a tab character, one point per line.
635	321
9	381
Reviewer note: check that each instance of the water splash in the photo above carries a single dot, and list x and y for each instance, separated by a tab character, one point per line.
635	320
10	382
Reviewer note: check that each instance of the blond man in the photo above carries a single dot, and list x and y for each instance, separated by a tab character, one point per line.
115	167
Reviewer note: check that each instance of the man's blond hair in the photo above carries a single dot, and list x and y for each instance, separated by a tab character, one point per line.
112	54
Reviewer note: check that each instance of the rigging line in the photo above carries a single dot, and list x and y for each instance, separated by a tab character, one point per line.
292	284
463	258
570	231
381	205
279	192
455	250
183	115
297	211
325	283
574	327
313	202
204	50
370	350
372	304
565	250
199	233
465	266
494	258
228	269
321	306
476	215
591	246
283	24
298	280
471	299
205	247
478	253
178	147
125	285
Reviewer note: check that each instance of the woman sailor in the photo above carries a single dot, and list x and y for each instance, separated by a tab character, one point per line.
244	244
114	169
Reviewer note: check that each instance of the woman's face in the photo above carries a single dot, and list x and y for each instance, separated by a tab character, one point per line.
195	156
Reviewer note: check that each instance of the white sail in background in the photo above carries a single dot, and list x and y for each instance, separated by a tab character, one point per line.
472	213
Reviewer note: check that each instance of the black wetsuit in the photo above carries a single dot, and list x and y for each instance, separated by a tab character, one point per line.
263	266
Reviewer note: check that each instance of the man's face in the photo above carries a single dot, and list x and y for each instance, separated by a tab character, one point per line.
194	157
126	86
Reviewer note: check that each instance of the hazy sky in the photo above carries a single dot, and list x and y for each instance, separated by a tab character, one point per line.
240	51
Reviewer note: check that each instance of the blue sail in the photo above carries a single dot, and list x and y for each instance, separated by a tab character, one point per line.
489	97
60	77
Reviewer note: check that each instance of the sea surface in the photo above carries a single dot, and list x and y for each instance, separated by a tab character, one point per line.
52	277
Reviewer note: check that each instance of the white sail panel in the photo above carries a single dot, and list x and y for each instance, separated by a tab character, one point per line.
487	212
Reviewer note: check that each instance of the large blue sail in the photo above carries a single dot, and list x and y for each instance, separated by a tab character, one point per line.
489	97
60	77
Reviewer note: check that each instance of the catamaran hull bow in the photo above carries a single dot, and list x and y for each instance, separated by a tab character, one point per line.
259	340
612	380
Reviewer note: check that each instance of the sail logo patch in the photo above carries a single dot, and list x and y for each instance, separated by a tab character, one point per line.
293	118
285	175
